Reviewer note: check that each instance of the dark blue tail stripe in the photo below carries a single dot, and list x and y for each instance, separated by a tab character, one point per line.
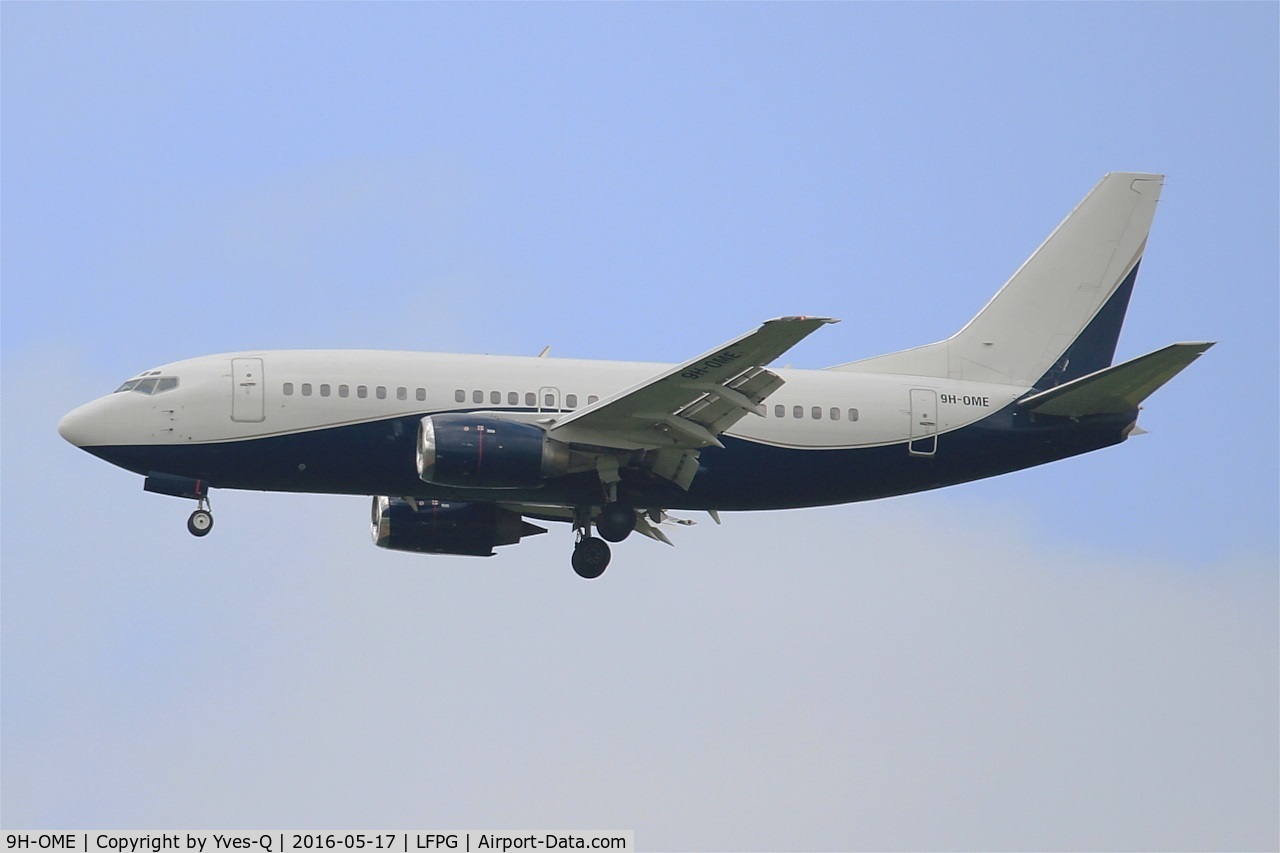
1095	347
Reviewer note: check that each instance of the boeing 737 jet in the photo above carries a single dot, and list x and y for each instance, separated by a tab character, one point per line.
463	453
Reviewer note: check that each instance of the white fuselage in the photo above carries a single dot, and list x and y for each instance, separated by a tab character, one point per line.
293	391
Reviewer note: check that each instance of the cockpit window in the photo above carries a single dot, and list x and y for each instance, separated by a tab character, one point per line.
150	386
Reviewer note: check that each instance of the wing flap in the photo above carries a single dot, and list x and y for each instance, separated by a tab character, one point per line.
1117	389
691	404
675	464
724	405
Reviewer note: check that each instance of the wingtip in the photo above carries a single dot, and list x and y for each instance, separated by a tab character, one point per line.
802	318
1137	176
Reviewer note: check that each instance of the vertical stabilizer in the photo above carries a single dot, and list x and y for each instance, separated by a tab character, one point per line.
1059	316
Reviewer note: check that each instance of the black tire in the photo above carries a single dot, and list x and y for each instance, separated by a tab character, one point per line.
616	521
591	557
200	523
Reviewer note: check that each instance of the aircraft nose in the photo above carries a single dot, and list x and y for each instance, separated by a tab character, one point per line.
83	426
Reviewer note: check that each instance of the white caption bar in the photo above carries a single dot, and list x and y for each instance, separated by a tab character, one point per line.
288	842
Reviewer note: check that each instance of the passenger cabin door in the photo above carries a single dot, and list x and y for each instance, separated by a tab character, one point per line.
247	405
924	422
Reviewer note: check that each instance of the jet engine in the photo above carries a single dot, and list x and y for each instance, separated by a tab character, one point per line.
437	527
486	451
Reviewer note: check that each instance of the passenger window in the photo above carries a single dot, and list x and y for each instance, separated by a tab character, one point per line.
797	412
477	396
421	394
779	411
343	390
530	399
324	390
513	399
495	398
592	399
817	413
362	391
306	389
853	414
835	413
549	401
288	389
571	401
460	396
381	391
402	393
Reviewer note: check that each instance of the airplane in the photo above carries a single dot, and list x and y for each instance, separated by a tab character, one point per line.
462	453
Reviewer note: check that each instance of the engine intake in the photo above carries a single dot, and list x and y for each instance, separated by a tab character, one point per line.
487	451
437	527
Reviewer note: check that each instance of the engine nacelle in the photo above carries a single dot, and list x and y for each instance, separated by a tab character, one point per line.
487	451
438	527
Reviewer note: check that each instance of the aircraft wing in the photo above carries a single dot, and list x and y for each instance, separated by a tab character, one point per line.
690	405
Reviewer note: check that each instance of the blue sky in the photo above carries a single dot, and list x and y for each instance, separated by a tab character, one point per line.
640	182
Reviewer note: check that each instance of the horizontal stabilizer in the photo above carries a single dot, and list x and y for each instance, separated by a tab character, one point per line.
1117	389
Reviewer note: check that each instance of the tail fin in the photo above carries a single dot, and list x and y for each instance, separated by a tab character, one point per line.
1058	318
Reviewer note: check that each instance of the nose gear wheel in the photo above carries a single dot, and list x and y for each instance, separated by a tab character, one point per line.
200	522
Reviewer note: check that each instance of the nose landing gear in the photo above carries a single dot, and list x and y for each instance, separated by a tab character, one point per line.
201	521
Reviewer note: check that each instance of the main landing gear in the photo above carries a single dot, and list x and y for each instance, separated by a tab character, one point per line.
614	523
590	556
